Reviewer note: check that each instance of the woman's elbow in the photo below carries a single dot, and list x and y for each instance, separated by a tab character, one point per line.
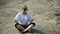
15	20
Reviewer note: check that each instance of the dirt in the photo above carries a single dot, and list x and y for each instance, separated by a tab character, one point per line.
46	15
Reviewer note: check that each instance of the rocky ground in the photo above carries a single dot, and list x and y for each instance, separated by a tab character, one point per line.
46	15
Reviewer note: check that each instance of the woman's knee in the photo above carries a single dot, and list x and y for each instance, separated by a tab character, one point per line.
17	25
33	24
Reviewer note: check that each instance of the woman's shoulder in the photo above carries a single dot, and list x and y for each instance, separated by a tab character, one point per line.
28	14
18	13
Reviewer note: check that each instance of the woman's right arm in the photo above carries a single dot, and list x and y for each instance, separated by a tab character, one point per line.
16	21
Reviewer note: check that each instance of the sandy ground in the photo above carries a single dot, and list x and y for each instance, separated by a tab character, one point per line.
46	15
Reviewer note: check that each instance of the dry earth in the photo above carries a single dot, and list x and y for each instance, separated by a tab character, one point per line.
46	15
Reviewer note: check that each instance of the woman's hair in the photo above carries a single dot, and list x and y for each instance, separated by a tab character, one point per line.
24	7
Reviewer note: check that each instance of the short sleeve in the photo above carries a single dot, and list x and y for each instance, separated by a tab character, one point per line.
17	16
30	18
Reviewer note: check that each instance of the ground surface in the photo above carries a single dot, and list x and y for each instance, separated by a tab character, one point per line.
46	15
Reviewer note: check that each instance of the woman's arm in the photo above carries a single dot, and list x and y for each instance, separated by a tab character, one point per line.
31	21
16	21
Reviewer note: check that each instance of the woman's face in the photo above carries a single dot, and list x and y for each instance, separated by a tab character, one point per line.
24	12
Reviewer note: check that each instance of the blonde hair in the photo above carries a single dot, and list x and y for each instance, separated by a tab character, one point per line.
24	7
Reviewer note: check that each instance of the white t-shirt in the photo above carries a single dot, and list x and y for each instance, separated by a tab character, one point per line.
23	19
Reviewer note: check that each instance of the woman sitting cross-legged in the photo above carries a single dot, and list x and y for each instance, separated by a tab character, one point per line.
23	20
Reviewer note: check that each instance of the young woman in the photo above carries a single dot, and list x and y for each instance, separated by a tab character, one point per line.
23	20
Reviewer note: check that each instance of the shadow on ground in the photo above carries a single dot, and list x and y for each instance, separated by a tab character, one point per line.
35	31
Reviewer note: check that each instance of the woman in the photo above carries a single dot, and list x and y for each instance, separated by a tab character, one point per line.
23	20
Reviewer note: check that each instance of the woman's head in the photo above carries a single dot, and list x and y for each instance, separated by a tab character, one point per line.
24	7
